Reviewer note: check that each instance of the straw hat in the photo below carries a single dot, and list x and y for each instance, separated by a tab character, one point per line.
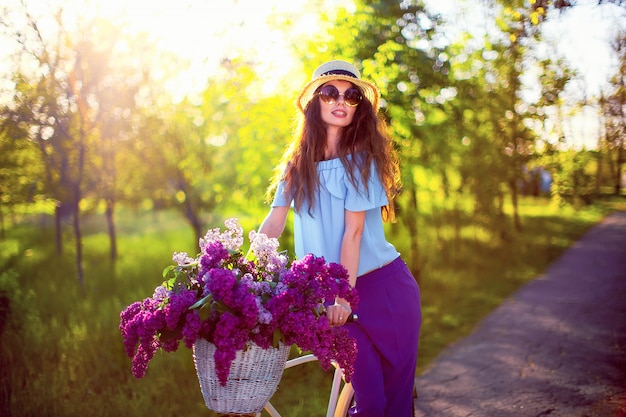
338	70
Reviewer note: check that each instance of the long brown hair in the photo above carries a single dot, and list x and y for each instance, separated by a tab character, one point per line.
366	137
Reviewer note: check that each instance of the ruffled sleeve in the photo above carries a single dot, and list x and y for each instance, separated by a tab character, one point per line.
356	198
280	200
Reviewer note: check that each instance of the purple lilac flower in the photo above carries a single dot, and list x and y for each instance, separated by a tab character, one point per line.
170	345
228	339
251	300
191	329
140	361
213	255
138	325
178	305
220	283
345	351
246	305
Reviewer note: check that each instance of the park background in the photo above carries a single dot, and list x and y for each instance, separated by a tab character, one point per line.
129	128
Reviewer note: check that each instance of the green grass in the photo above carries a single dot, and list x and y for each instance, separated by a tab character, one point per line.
61	352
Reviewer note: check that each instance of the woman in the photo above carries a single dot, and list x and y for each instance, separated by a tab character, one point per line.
341	174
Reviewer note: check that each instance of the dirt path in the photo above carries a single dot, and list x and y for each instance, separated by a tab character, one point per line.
557	347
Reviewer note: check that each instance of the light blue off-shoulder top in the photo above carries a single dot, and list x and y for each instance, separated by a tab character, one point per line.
320	230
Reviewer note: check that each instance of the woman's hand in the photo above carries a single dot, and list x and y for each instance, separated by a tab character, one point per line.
338	313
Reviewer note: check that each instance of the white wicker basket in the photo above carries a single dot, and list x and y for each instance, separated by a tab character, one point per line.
253	378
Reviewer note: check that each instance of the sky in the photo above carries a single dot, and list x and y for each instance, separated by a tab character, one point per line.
205	31
581	35
201	31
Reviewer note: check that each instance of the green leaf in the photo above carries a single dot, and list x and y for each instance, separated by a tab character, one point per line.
201	302
277	338
204	312
222	308
167	270
169	284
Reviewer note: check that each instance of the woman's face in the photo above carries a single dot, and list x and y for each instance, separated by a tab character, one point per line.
337	114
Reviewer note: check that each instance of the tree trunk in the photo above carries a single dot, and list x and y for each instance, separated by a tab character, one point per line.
58	227
457	214
600	148
78	196
2	228
618	168
78	239
193	218
515	203
110	218
5	358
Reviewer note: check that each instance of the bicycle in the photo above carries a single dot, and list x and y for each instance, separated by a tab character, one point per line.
340	398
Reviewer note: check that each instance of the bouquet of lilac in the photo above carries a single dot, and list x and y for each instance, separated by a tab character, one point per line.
230	300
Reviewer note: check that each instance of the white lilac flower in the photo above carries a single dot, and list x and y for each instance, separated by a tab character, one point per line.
181	258
264	248
160	293
282	260
211	235
276	262
233	237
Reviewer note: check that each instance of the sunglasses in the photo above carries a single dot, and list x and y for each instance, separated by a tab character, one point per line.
330	95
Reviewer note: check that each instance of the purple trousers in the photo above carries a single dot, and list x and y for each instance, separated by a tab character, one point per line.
386	333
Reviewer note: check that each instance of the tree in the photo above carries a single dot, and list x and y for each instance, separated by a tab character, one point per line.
53	112
614	118
114	94
516	53
254	150
483	116
20	170
63	106
194	148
